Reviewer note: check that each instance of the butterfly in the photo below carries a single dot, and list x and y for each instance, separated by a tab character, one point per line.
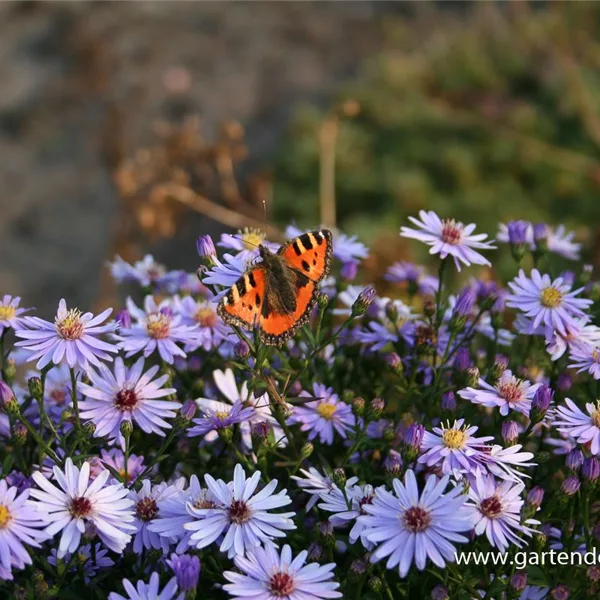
277	295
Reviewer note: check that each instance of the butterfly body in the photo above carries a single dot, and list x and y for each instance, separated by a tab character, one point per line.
277	295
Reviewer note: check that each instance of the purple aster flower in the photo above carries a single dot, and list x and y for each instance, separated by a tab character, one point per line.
558	240
579	339
90	561
585	428
146	505
316	485
326	415
10	313
501	462
127	395
496	511
509	393
268	575
173	513
156	329
242	515
414	276
548	303
570	486
187	571
586	358
115	459
225	274
220	416
347	506
454	448
20	525
517	232
148	591
412	526
72	338
535	496
345	248
76	503
144	272
246	242
449	238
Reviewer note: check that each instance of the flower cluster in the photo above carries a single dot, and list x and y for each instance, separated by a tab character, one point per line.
157	452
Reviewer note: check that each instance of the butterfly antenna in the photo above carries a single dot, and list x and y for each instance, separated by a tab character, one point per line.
264	203
238	237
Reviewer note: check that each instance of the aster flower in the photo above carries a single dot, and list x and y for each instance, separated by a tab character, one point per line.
10	313
76	503
202	314
449	238
241	514
345	248
219	416
495	510
454	448
335	501
115	459
580	339
509	393
144	272
225	273
267	574
414	276
156	329
246	242
20	525
173	513
127	395
549	303
57	390
324	416
586	357
316	485
558	240
148	591
502	462
187	571
412	526
91	561
585	428
146	506
71	339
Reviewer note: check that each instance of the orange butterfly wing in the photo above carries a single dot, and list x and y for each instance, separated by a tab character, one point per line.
309	253
242	304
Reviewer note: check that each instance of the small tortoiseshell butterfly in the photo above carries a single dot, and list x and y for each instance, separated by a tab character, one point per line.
277	295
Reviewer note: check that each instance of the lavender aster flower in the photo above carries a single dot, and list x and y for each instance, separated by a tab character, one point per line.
549	303
326	415
317	485
585	428
156	329
115	459
558	240
187	571
220	416
246	242
414	276
86	559
496	511
127	395
148	591
77	502
10	313
586	358
517	232
72	338
449	238
268	575
412	526
241	514
19	526
144	272
225	274
509	393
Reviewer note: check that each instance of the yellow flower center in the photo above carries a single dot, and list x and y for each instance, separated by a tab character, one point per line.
551	297
5	516
222	414
454	438
251	238
71	327
326	410
206	317
7	312
158	326
596	355
596	415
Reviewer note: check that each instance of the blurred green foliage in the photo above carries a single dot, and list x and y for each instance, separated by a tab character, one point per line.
484	116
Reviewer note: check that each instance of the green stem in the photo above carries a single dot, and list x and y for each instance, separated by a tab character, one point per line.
34	434
75	403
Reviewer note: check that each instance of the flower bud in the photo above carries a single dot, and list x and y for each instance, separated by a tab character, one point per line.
188	411
187	571
448	401
510	432
593	573
358	407
570	486
413	438
541	403
462	309
517	238
393	463
261	432
322	301
89	428
315	551
439	592
540	237
306	450
375	584
339	477
8	400
225	434
375	409
535	497
560	592
359	566
500	365
462	360
20	434
126	428
472	376
35	388
362	303
574	459
590	470
518	581
395	362
206	247
10	370
241	349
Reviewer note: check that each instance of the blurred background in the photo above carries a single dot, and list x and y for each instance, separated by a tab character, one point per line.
132	127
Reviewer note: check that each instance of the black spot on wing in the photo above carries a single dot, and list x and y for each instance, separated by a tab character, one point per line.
305	266
251	279
241	288
306	241
296	248
257	299
319	237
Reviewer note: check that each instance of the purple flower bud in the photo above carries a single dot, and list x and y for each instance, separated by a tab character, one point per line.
439	592
364	300
393	462
6	394
188	410
413	436
501	362
564	382
449	401
593	573
187	571
510	432
535	496
517	232
205	247
261	430
570	486
375	409
241	349
540	232
518	581
464	304
123	318
590	470
542	399
393	360
315	551
560	592
19	480
574	459
462	360
349	270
